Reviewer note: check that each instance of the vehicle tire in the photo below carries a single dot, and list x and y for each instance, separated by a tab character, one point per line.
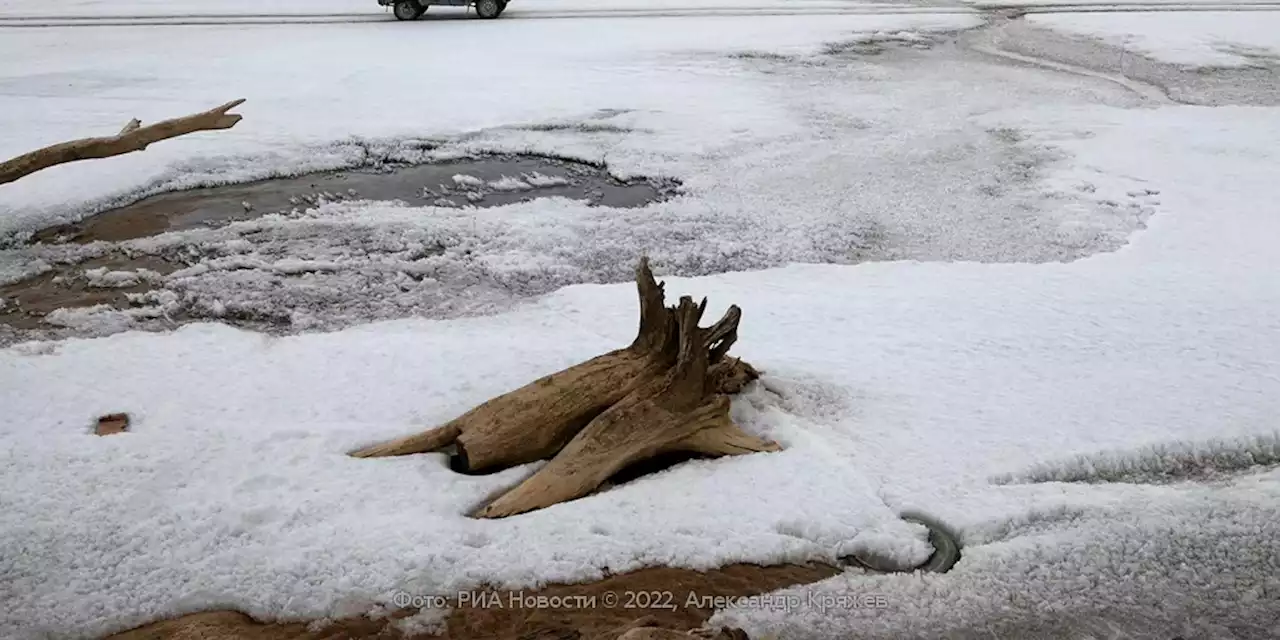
502	6
407	10
488	9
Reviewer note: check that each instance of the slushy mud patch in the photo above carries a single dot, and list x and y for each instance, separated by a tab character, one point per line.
767	56
302	252
576	127
667	598
868	44
483	182
881	41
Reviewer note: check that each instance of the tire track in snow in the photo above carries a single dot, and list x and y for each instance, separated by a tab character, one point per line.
988	41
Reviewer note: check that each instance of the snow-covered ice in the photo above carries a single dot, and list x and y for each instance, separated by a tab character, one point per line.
1159	563
1198	39
669	72
1080	288
540	180
463	180
103	277
783	114
508	183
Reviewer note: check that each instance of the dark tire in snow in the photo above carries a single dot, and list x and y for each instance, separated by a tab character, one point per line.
408	10
489	9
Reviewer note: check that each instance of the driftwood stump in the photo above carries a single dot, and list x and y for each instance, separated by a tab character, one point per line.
681	410
666	392
538	419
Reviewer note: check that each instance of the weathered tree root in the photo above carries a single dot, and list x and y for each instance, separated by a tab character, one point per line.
133	137
535	421
682	411
666	392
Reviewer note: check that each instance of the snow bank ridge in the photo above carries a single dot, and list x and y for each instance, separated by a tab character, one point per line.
1157	463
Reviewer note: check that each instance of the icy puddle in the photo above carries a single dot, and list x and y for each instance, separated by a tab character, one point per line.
487	182
117	285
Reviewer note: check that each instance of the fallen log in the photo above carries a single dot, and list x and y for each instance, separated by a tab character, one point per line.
682	410
133	137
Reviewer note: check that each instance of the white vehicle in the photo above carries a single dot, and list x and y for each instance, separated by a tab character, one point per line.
413	9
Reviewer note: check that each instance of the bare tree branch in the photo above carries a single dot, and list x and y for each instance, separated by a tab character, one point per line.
133	137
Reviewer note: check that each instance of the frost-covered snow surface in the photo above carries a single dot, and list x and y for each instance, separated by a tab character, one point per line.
1199	39
792	145
893	386
1158	563
1024	375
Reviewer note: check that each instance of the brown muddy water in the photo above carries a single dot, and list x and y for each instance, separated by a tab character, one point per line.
486	181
